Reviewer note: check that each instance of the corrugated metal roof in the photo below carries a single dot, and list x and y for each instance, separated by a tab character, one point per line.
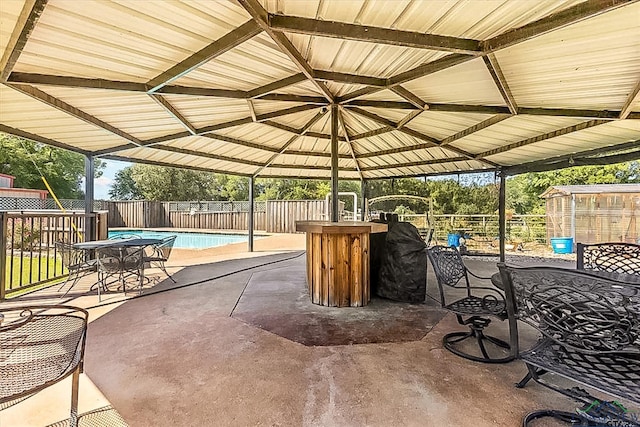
566	190
423	87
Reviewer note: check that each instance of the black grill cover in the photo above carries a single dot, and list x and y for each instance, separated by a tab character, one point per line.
403	266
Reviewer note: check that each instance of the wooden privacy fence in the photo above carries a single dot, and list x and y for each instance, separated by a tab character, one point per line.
272	216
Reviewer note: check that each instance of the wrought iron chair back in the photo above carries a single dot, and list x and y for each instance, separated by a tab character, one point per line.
120	262
40	346
76	261
449	269
609	257
472	310
590	329
161	253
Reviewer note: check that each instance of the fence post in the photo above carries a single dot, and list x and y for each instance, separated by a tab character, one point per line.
3	254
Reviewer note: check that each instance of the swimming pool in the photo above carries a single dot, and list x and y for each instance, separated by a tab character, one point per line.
188	240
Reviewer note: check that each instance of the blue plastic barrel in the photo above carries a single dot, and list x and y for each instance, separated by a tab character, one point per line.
562	245
453	239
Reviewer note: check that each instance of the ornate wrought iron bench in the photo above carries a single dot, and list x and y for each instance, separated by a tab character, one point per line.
590	334
609	257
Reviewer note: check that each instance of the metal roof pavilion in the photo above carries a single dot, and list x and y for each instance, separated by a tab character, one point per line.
271	88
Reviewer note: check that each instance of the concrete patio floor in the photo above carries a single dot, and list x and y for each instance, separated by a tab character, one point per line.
225	346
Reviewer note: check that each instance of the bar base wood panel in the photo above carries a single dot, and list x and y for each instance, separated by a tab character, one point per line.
338	261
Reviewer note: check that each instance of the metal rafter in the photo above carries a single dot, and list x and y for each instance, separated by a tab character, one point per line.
418	135
170	165
346	31
633	96
173	112
58	104
252	110
259	14
448	140
582	158
348	141
538	138
279	84
293	139
26	22
555	21
501	82
206	155
37	138
225	43
417	163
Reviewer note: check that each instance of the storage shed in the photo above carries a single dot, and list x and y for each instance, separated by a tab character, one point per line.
594	213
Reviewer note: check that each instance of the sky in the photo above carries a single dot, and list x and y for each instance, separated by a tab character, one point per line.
102	185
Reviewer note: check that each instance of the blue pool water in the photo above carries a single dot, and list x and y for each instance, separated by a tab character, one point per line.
188	240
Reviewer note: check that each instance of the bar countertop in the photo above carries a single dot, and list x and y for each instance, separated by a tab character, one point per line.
343	227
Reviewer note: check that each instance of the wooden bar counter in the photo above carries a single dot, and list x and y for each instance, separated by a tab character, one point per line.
338	261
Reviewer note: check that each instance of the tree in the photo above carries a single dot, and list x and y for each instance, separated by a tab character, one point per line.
63	169
523	191
124	186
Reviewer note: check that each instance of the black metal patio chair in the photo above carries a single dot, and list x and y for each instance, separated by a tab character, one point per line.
117	264
40	346
77	263
472	309
609	257
160	254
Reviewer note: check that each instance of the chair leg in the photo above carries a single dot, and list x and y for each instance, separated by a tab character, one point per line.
477	326
75	384
163	268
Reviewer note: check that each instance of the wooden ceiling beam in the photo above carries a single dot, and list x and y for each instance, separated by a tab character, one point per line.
415	73
473	129
501	82
58	104
409	96
240	142
41	139
555	21
417	163
369	34
212	156
582	158
173	112
291	140
631	99
346	78
225	43
260	16
318	100
543	137
286	111
279	84
29	16
252	110
170	165
448	140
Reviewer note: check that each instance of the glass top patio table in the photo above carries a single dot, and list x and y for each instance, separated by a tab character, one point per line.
117	243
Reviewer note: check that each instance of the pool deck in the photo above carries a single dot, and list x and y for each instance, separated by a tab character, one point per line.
236	343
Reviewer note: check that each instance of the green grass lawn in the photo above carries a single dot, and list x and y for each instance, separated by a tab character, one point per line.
55	269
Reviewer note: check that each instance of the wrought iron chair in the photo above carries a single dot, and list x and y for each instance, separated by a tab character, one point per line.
118	264
477	304
609	257
76	261
40	346
161	254
590	334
